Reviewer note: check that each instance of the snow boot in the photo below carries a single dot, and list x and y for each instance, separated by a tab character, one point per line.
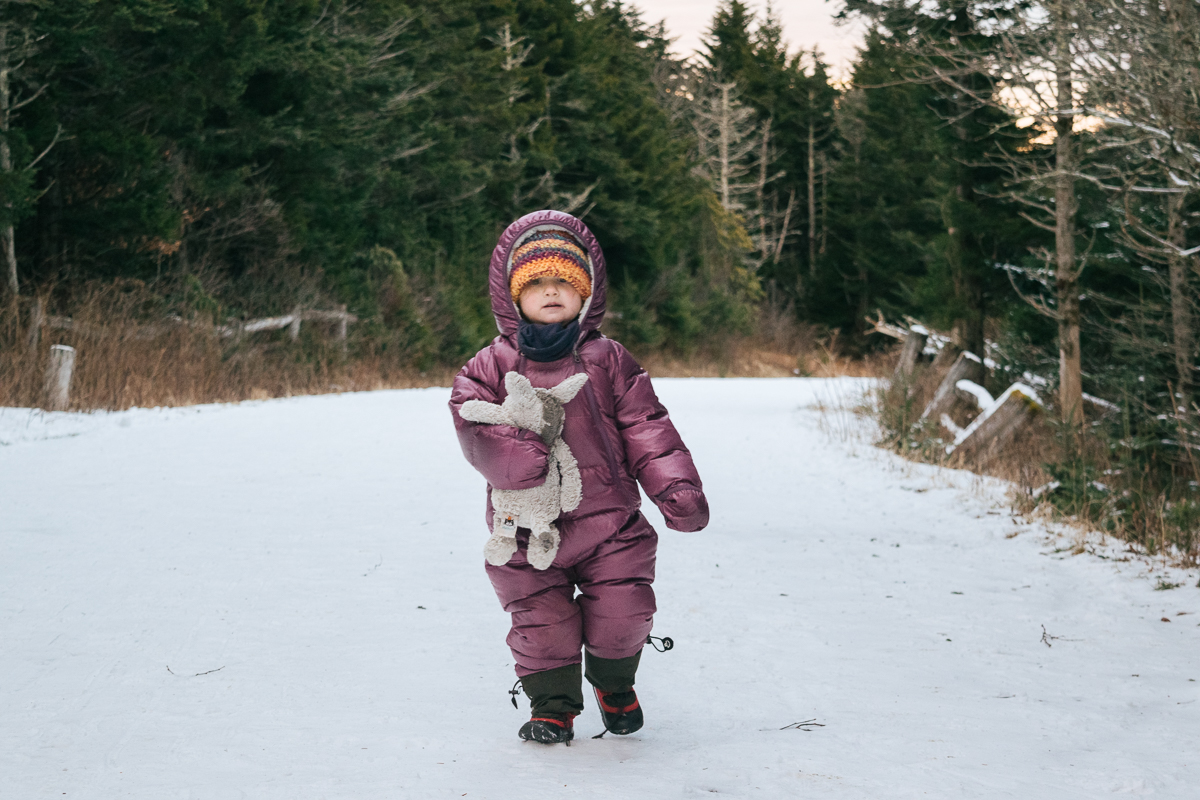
548	730
620	711
556	697
612	679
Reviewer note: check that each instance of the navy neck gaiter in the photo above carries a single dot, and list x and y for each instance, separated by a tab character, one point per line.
547	342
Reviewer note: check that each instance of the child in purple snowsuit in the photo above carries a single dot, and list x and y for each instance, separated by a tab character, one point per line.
547	283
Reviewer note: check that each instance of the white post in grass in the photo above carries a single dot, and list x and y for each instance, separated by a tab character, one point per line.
294	327
58	377
340	335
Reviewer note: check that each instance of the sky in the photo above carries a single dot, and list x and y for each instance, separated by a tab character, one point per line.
805	23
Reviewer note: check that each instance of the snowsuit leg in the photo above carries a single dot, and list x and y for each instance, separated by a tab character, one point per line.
611	616
547	624
615	591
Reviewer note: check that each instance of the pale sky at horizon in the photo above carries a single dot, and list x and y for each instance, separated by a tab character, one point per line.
805	23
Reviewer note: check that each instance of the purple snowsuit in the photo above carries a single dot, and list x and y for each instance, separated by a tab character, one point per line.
618	432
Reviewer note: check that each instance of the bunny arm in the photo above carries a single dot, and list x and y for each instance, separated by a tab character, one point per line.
571	489
485	413
507	457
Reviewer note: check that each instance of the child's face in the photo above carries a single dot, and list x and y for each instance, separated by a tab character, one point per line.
546	300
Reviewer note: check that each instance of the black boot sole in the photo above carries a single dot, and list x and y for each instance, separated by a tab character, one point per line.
535	731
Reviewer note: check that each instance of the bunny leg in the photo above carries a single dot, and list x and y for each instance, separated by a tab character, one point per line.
571	483
499	549
543	547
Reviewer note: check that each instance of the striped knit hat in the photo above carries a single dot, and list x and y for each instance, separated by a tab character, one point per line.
550	254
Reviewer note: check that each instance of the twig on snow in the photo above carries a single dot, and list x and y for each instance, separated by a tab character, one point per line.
807	725
1047	638
197	675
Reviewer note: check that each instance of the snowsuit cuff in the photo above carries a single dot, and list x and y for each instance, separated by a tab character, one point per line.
684	507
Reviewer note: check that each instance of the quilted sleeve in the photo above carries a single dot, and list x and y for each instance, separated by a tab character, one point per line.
657	456
507	457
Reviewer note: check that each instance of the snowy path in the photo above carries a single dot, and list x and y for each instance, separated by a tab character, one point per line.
323	556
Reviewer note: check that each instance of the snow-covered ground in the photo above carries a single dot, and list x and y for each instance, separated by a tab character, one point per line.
286	600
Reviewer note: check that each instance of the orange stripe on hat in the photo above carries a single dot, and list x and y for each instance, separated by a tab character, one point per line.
550	254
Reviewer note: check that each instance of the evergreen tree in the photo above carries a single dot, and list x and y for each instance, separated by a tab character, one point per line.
968	131
784	168
244	158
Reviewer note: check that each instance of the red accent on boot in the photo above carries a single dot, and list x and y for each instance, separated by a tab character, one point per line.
602	699
565	725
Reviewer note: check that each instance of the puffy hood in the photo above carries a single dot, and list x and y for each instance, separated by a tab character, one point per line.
508	318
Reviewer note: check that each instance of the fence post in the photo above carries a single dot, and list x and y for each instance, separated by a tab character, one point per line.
294	328
58	377
36	317
967	367
995	428
914	345
340	335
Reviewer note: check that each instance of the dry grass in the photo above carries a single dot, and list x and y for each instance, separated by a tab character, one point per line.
126	356
782	349
753	360
118	365
1095	493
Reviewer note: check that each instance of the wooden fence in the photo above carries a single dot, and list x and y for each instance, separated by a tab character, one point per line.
57	386
340	319
996	422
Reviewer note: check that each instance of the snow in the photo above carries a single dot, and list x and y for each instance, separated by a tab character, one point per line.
983	398
986	410
286	599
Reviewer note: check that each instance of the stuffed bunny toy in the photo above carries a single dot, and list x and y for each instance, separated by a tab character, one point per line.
540	411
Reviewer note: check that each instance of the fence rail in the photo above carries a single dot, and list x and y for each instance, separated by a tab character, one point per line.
995	423
57	386
231	329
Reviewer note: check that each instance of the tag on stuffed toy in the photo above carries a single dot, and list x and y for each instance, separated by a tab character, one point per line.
510	523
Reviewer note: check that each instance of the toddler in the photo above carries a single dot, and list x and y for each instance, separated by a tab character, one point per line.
547	282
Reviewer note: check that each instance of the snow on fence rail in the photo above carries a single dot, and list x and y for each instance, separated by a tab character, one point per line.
997	422
997	425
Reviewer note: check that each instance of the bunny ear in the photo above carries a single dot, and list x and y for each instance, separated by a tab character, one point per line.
518	384
565	392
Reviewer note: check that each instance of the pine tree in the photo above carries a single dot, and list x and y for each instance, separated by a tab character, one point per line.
20	47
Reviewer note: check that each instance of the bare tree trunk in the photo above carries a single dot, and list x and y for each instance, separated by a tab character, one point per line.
724	141
179	195
1183	335
964	267
824	204
7	243
1070	388
787	220
968	329
1182	19
813	199
764	244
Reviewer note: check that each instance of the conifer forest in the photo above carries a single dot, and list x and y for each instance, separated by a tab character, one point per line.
1019	174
